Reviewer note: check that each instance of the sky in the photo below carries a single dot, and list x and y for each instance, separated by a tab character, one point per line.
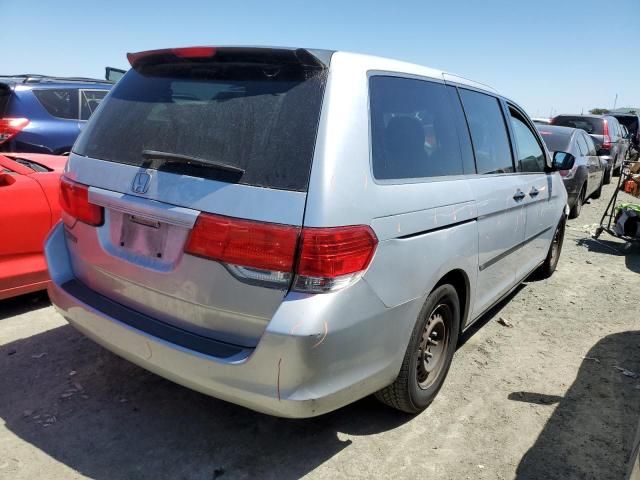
550	56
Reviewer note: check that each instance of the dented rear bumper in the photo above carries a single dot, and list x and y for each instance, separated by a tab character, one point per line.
318	353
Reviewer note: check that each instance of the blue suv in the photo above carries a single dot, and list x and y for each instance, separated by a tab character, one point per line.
43	114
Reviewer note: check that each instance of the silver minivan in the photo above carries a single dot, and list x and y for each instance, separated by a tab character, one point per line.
292	230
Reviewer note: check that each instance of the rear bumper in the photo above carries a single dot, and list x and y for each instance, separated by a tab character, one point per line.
319	352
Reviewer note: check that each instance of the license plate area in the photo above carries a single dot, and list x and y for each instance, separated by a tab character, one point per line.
143	236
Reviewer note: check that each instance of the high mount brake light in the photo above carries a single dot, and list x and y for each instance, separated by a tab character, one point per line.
328	259
138	58
10	127
74	200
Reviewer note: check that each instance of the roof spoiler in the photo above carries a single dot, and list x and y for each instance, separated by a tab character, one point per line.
292	56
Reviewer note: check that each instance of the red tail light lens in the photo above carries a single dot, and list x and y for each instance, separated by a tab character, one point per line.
74	200
10	127
266	246
328	258
606	144
333	252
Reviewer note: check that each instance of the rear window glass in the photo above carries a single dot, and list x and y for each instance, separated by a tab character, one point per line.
59	102
413	129
556	142
259	119
588	124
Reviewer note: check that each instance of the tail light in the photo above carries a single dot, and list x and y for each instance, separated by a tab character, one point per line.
332	258
606	144
10	127
256	252
74	200
253	251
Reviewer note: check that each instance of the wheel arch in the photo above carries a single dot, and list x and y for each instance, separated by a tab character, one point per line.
460	281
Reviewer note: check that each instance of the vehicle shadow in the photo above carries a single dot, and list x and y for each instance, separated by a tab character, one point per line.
591	432
630	251
109	419
23	304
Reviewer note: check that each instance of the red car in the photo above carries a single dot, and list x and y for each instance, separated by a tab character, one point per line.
29	185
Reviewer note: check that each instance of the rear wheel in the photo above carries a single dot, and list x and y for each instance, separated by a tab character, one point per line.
577	207
607	177
551	262
429	354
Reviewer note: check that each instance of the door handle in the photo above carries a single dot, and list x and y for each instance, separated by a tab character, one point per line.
519	195
534	192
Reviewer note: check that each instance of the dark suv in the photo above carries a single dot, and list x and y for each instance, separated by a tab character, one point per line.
607	135
42	114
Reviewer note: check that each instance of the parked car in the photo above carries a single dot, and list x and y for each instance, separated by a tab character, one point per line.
631	122
29	186
574	154
541	121
41	114
292	230
606	134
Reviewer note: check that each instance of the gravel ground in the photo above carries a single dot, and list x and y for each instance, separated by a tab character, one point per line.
544	398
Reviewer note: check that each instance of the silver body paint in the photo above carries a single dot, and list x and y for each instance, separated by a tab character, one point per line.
299	355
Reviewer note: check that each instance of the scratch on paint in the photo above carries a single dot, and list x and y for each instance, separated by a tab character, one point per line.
278	384
324	335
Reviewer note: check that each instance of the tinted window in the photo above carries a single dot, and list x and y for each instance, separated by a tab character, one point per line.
89	101
530	154
590	125
582	145
413	129
468	162
555	141
255	116
61	103
488	132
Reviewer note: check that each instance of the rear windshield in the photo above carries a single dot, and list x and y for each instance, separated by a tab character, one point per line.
258	119
588	124
556	142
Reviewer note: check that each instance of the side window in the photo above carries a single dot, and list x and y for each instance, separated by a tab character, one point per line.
582	144
530	154
591	147
413	129
488	132
468	162
89	101
61	103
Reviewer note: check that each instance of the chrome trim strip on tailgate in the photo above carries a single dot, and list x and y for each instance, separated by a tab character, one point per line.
179	216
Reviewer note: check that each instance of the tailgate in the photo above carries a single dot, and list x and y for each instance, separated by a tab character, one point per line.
201	168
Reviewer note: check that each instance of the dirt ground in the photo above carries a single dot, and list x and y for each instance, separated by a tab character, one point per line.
543	399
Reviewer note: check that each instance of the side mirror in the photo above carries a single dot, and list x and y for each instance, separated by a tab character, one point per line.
563	161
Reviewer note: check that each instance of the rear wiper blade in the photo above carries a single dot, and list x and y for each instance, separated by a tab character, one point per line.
201	162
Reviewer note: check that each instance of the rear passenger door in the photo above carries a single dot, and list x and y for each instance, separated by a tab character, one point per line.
499	193
539	203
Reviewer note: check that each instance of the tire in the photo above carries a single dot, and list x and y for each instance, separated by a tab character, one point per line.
427	360
577	207
553	255
598	193
607	177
